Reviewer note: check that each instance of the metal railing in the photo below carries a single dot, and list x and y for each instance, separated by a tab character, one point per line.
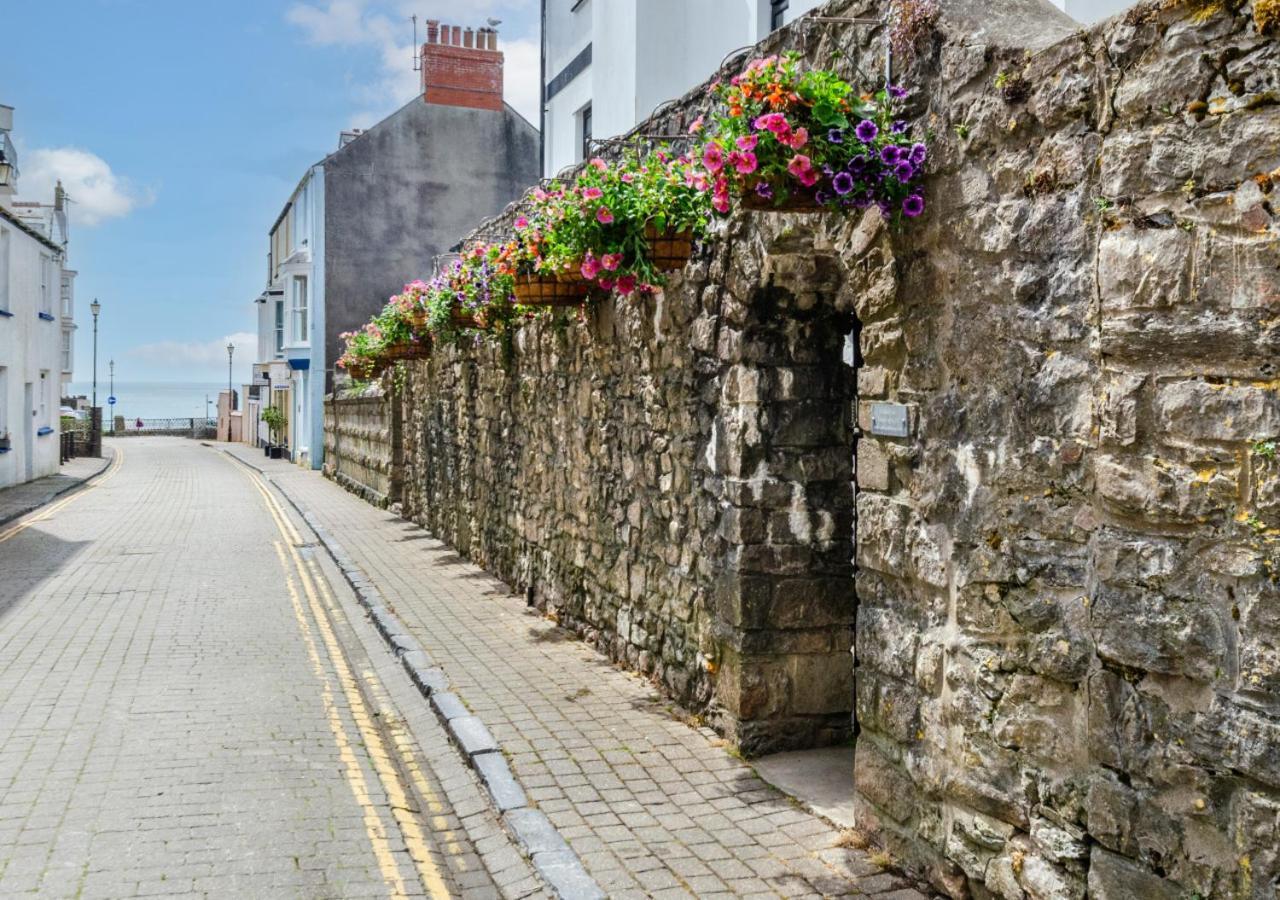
185	426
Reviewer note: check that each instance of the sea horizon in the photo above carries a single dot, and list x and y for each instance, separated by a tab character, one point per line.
154	399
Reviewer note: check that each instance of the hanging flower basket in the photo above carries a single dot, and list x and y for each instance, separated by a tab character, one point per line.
363	372
462	319
418	319
796	202
669	250
550	290
401	350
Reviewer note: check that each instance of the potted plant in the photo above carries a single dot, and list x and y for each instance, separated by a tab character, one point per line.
792	140
275	418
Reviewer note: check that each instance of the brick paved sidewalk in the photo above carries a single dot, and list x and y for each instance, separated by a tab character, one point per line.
21	499
652	806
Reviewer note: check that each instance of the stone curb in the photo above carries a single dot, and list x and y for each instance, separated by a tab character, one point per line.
552	857
45	499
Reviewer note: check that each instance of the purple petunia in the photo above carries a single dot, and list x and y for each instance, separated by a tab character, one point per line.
913	206
918	154
858	163
899	127
842	183
835	136
764	190
897	93
866	131
890	154
904	171
823	197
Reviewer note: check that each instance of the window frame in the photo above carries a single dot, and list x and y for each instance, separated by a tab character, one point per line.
46	289
5	249
299	285
778	14
584	131
278	327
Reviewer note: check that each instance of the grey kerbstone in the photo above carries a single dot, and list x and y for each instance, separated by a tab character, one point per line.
404	643
429	679
471	735
534	831
448	706
565	875
503	787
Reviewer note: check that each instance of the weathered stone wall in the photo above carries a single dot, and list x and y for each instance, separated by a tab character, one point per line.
1068	620
671	476
362	445
1068	640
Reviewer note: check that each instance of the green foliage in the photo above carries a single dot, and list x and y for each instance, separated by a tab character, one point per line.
1265	449
276	421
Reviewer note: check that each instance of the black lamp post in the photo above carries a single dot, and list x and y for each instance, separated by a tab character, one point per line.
231	399
111	391
95	307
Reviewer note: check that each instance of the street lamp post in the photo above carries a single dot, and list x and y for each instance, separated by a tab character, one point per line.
95	307
95	414
111	391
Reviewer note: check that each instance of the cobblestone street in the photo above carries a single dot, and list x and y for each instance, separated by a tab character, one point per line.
185	711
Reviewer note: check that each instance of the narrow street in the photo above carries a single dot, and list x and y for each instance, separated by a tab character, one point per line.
187	710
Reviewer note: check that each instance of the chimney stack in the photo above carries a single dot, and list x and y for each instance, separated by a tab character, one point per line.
461	68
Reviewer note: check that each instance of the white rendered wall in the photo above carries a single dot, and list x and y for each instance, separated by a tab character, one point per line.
29	345
1087	12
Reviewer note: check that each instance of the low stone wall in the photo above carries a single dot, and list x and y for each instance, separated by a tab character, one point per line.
362	445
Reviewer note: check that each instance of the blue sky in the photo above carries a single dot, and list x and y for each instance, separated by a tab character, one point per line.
180	129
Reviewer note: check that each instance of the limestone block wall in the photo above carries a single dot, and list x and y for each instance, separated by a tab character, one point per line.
362	445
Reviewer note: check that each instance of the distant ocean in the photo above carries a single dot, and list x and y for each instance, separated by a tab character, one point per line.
156	399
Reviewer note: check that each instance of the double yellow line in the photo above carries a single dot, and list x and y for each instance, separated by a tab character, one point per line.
42	514
386	766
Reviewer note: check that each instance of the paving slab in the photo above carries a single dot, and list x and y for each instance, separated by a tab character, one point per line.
19	499
821	779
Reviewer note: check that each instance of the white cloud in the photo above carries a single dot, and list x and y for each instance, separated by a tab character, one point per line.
97	193
384	28
186	355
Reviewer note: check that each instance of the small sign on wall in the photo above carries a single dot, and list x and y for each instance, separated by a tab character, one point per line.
889	419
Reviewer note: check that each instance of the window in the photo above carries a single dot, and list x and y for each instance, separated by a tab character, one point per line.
299	307
586	131
66	350
4	269
778	13
279	328
46	289
68	309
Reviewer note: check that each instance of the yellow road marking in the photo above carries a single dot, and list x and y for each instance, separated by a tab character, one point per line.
355	777
42	514
383	764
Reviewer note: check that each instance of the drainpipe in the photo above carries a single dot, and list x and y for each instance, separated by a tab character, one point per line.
542	98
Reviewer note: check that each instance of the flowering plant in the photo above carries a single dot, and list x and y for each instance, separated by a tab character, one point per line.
478	285
363	347
785	133
602	226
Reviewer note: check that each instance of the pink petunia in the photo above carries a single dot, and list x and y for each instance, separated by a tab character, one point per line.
798	138
522	222
606	283
598	163
593	193
603	215
626	285
748	141
713	158
698	124
590	267
799	165
611	261
747	163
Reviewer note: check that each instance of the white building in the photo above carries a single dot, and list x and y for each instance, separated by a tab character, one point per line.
607	64
35	317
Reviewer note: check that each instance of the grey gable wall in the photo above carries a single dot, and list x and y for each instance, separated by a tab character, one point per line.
407	190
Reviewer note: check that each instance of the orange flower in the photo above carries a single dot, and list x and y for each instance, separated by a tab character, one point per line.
735	111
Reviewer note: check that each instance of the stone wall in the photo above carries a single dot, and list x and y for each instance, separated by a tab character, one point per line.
362	445
670	476
1067	644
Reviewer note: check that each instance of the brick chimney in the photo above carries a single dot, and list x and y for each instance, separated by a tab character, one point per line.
461	67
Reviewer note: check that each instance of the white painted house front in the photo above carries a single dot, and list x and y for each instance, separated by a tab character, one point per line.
32	324
607	64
